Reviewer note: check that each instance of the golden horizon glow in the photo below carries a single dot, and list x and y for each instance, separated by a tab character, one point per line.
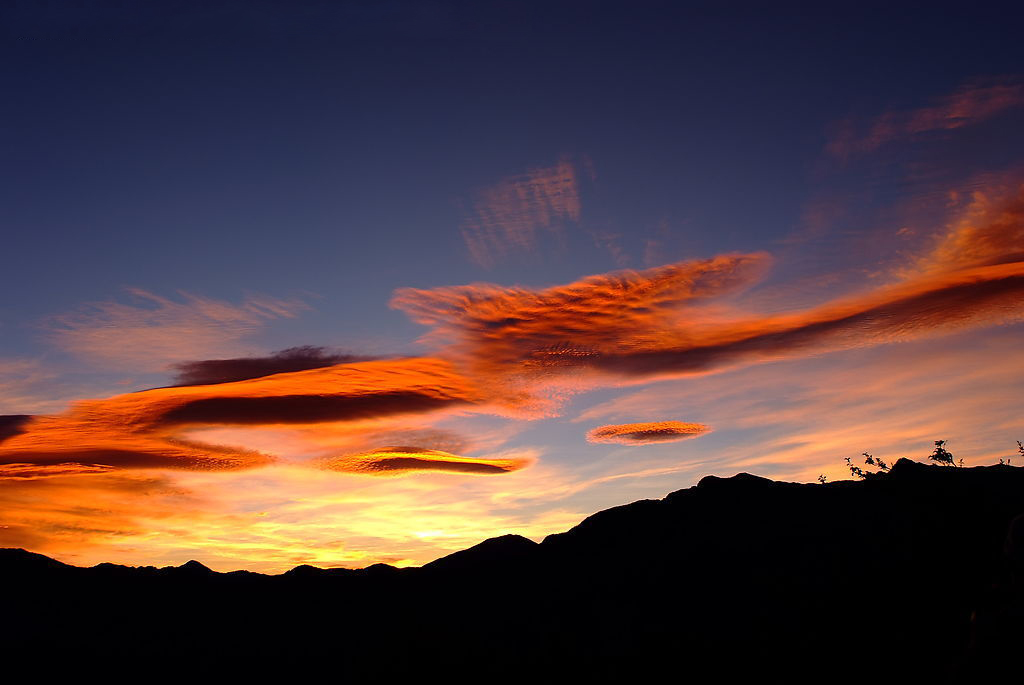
271	472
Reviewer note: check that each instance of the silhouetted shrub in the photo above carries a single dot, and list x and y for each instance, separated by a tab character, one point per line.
1020	450
869	460
942	455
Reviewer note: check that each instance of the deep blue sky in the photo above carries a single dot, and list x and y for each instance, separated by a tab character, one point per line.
185	181
324	147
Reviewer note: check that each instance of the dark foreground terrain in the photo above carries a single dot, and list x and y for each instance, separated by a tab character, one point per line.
904	575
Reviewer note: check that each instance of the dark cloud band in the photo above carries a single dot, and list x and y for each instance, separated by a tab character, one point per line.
13	424
936	307
217	371
302	408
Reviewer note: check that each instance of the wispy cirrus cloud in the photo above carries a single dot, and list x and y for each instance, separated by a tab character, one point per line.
154	331
987	231
970	104
29	385
507	216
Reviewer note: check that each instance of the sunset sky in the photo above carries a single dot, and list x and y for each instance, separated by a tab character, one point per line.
340	283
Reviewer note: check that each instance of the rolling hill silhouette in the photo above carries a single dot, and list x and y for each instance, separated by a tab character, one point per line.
910	574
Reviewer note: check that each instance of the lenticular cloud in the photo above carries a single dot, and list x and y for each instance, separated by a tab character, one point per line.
647	433
395	460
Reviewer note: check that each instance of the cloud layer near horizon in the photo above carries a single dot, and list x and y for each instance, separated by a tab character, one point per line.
142	429
518	352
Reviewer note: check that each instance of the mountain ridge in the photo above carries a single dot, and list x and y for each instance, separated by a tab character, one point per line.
903	573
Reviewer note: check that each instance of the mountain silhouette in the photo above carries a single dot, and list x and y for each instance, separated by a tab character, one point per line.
493	555
910	574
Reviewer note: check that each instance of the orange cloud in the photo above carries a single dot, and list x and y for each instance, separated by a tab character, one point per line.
37	470
971	297
658	323
508	215
74	508
493	330
58	442
141	430
987	232
971	104
644	433
391	460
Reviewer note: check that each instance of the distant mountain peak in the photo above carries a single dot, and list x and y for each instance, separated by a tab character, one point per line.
193	566
495	551
15	556
743	479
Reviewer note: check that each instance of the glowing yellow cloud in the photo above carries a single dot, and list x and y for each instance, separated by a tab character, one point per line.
395	460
